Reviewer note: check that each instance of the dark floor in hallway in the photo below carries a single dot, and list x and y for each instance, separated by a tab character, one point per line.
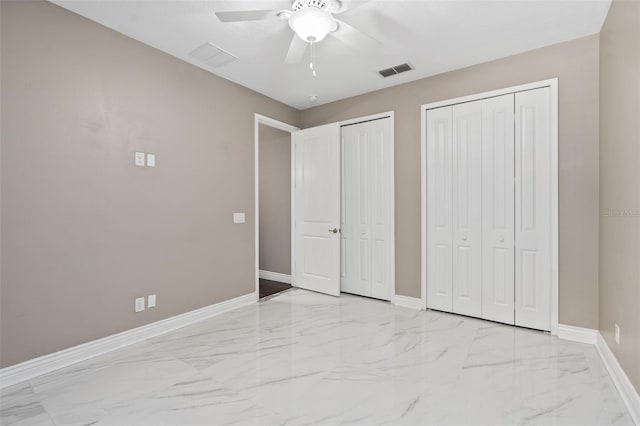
268	287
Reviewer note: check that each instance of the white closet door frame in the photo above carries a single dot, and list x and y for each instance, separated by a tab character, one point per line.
257	121
553	85
392	206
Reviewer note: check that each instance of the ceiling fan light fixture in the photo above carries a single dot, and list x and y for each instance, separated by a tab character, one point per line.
312	24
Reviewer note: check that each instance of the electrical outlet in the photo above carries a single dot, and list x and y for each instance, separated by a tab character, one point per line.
151	301
617	329
140	304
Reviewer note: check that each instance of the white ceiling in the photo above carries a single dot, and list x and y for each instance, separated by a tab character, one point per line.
434	36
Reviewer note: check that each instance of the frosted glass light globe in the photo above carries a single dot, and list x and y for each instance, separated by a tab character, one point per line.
312	24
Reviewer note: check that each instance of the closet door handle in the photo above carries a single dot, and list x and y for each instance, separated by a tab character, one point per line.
334	230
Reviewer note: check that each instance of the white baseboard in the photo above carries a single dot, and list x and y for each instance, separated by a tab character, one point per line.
620	379
47	363
407	302
577	334
275	276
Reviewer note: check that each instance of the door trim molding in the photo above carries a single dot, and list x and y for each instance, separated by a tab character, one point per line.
276	124
553	85
392	192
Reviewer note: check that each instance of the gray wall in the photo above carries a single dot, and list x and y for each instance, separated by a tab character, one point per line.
620	183
275	200
84	231
575	63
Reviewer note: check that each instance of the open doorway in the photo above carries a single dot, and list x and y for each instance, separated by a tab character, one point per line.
273	206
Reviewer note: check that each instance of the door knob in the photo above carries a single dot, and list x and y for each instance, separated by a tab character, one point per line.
501	239
334	230
464	238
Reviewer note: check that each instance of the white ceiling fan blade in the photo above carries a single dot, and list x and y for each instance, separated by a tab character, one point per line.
247	15
354	37
343	6
296	50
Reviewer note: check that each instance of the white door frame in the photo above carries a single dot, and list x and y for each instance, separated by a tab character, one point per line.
392	215
258	120
553	85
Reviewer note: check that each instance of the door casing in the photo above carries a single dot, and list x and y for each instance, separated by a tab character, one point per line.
258	120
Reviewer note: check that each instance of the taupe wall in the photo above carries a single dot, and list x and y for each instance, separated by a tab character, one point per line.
620	183
575	63
84	231
275	200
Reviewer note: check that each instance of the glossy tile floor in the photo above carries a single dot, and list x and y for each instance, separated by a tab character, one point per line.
305	358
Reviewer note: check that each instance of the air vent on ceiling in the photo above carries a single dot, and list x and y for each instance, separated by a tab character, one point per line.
395	70
212	55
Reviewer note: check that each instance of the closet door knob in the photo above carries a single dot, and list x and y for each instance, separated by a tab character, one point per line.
334	230
464	238
501	239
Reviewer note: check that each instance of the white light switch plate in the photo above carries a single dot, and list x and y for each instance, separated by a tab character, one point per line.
139	158
238	218
151	160
151	301
139	304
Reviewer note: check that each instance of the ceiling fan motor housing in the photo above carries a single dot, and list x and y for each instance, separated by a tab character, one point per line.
303	4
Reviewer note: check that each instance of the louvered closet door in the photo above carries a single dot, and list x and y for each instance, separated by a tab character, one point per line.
498	209
366	209
439	209
467	208
532	209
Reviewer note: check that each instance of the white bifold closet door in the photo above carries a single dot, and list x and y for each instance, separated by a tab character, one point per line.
498	209
366	227
533	209
489	208
439	209
454	218
467	208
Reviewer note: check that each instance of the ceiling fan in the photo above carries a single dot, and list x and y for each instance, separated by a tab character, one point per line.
312	21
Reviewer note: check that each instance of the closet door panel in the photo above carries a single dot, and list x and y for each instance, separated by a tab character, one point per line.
467	208
346	216
532	209
366	208
356	236
381	179
439	209
498	209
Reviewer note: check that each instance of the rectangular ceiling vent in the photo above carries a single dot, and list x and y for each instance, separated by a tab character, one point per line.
212	55
396	70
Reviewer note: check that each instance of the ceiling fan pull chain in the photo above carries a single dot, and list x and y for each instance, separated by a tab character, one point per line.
312	57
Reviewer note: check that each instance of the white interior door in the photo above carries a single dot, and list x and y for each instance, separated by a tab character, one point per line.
317	209
467	208
533	209
366	219
498	209
439	209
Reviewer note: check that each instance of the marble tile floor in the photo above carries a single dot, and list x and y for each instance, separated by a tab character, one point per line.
302	358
